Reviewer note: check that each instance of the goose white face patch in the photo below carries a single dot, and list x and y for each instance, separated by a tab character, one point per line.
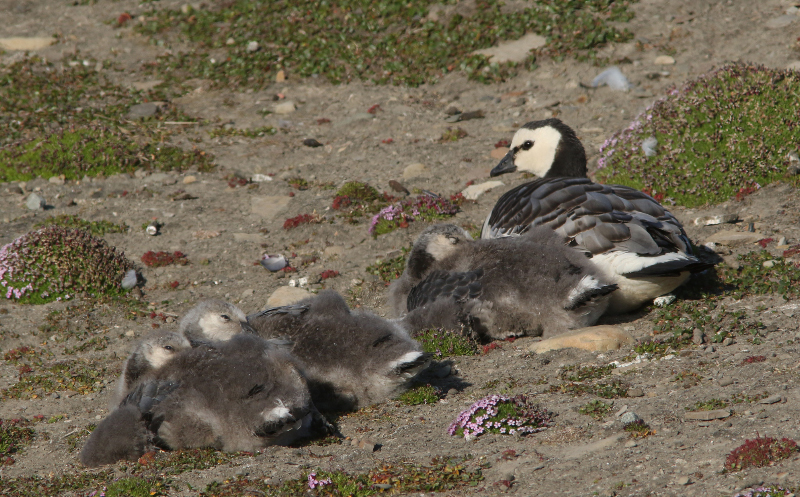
441	246
407	358
216	327
539	158
585	285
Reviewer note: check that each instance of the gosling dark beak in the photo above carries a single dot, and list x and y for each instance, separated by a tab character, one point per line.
506	165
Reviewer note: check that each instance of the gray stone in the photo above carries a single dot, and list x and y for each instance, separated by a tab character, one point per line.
635	392
725	382
286	295
357	117
142	111
35	202
664	60
248	237
715	219
57	180
415	170
472	192
513	51
443	371
629	417
285	107
727	341
781	21
734	238
252	47
26	43
698	336
332	252
630	443
145	85
708	415
248	293
269	206
683	480
772	399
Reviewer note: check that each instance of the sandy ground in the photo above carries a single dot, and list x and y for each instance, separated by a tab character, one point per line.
682	457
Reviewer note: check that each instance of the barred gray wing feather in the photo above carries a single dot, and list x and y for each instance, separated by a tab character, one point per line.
597	218
440	284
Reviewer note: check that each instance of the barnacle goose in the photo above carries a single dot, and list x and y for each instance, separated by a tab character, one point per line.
631	238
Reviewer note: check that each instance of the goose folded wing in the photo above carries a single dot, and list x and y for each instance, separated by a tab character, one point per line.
442	284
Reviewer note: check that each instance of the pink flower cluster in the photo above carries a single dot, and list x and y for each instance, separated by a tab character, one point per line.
314	483
424	207
501	414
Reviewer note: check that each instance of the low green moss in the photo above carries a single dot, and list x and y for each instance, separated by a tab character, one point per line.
707	405
424	394
441	476
383	41
596	409
390	269
54	263
720	136
80	377
97	228
444	343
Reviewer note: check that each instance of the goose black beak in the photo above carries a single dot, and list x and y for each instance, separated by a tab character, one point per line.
506	165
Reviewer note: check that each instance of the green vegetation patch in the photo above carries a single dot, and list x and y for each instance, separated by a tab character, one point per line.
424	394
73	122
422	208
445	343
246	42
181	461
576	372
15	434
390	269
722	135
97	228
441	476
708	405
596	409
581	380
81	377
55	262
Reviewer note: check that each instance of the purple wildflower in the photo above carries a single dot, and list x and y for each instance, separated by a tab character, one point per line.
517	416
314	483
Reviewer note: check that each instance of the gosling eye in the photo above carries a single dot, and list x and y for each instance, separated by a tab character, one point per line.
527	145
225	317
168	347
453	240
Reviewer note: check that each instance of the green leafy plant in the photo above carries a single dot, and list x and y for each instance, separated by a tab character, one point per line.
382	41
445	343
596	409
424	394
720	136
97	228
54	263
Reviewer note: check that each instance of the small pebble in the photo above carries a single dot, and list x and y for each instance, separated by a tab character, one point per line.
311	142
727	341
772	399
724	382
635	392
188	180
683	480
252	47
35	202
629	417
698	336
630	443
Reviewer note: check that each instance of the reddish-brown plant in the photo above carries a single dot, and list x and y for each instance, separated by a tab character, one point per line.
759	452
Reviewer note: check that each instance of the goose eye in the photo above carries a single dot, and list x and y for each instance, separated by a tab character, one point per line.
168	347
453	240
527	145
225	317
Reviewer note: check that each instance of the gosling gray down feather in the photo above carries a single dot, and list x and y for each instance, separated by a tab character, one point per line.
352	358
150	353
632	238
527	285
239	395
212	320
